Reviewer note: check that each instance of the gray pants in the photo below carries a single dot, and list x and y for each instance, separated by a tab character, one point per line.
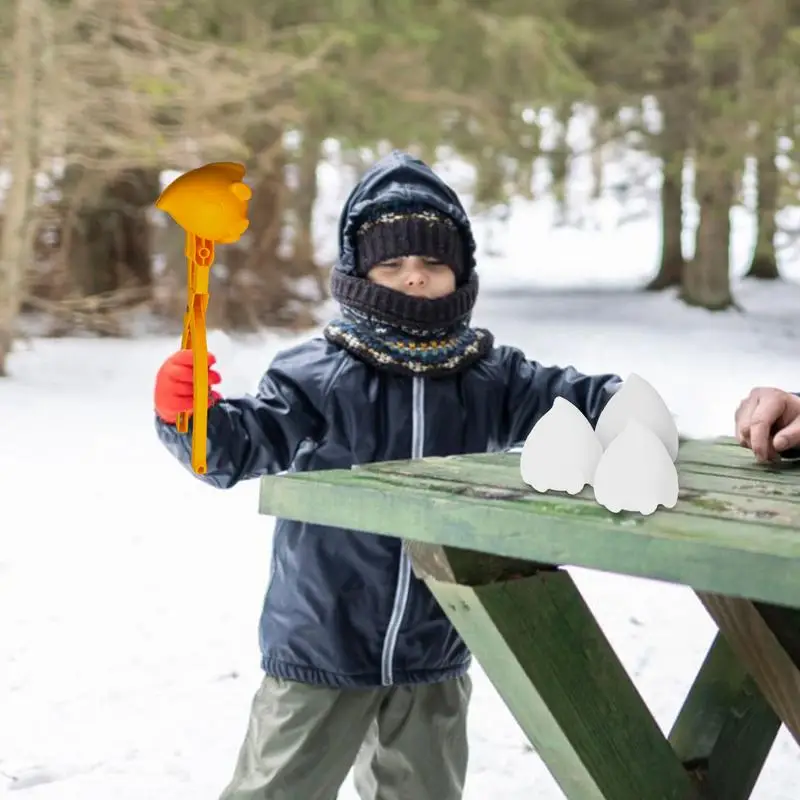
406	742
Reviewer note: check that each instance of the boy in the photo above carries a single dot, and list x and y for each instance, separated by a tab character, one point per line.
361	665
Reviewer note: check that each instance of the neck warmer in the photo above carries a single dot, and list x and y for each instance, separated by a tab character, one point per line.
407	335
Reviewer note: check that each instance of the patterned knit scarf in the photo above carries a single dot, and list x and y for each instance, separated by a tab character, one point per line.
409	350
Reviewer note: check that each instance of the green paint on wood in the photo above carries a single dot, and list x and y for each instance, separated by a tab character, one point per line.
700	494
752	557
703	715
712	454
726	727
786	479
504	471
724	458
540	646
743	747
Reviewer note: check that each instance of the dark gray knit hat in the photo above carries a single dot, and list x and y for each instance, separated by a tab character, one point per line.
419	231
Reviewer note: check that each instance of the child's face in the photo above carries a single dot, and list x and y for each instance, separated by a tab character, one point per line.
416	276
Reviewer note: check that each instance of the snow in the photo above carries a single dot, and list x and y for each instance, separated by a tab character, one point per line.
130	592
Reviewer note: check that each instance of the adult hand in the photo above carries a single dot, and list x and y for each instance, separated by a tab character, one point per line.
768	422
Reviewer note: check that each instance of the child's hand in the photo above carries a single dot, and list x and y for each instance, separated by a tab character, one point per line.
174	391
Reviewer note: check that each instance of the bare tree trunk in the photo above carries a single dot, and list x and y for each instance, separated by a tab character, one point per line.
765	261
489	185
719	138
604	130
108	237
21	121
263	261
671	268
768	68
257	290
305	198
559	158
706	280
676	101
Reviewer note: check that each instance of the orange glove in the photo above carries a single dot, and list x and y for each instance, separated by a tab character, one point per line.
174	390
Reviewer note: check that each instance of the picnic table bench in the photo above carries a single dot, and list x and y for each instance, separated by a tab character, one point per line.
492	552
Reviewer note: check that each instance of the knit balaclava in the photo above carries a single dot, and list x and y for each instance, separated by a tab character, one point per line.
395	331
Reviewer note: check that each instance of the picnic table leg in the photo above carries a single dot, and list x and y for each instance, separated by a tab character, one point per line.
766	639
726	728
545	653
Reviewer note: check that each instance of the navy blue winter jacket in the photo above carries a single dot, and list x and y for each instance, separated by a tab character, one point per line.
343	608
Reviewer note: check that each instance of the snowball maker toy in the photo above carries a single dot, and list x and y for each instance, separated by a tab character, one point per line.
628	457
210	204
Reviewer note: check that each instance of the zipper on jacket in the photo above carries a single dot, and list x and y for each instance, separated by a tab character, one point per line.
404	569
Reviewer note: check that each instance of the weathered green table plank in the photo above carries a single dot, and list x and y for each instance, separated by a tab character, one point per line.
501	472
719	539
706	495
728	453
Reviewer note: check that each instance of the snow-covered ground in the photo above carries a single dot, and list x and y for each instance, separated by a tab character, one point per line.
130	592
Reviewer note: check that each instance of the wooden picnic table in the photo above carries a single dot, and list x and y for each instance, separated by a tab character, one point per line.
492	551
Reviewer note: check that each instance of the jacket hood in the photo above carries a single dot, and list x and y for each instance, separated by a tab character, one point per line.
399	180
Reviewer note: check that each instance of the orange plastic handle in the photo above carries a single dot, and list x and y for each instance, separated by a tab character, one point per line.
210	204
199	259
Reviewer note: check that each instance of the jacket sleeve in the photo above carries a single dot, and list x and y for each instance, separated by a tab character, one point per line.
531	389
250	436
